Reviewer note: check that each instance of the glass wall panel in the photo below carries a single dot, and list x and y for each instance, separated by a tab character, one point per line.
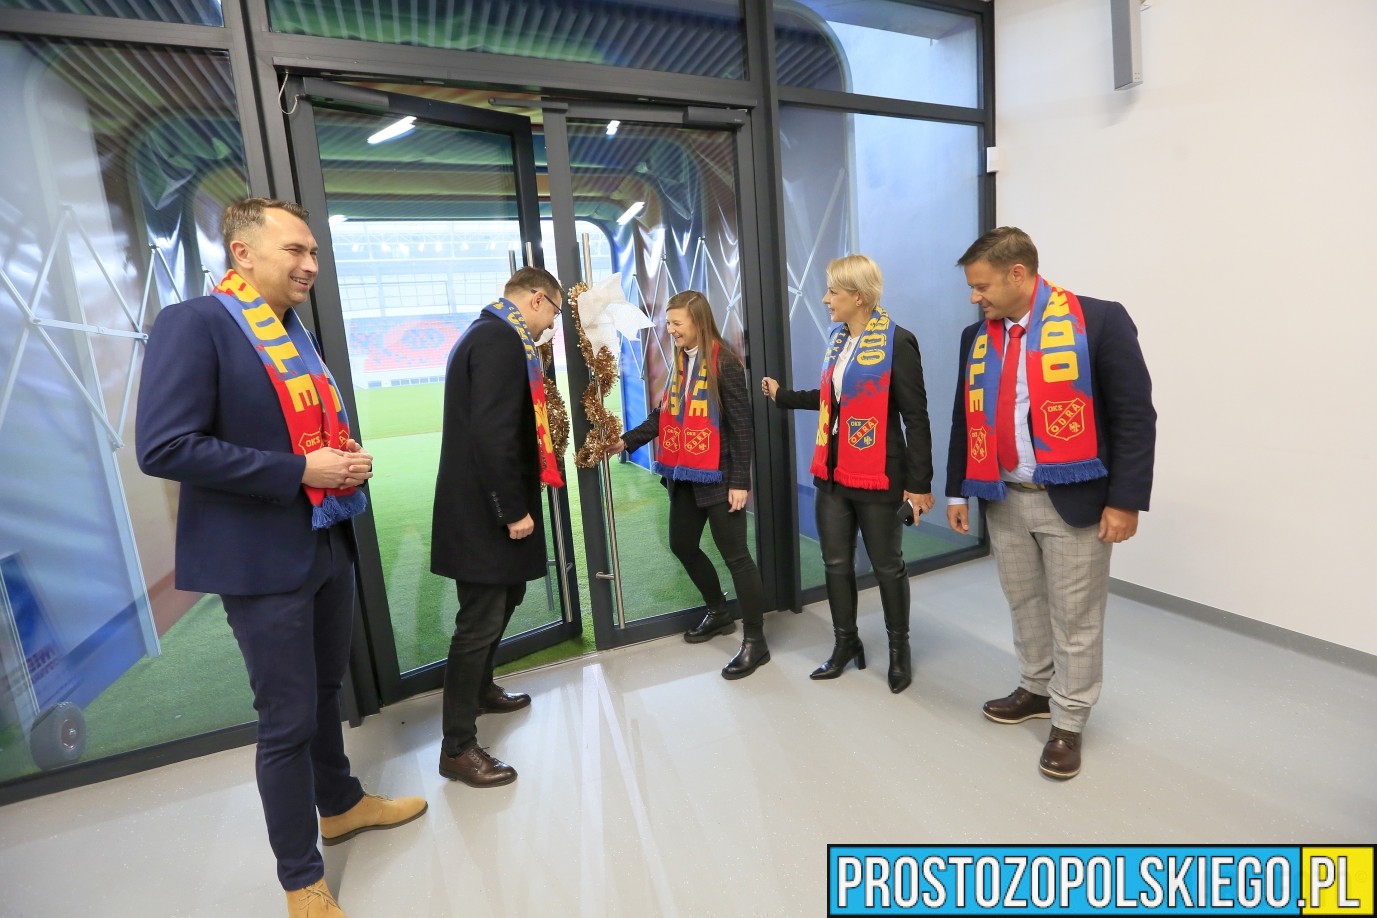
700	37
878	48
191	12
117	163
904	192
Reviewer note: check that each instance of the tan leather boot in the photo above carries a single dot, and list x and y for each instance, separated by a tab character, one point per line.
314	901
374	811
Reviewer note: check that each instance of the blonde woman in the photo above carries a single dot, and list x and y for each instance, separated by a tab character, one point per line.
866	466
704	427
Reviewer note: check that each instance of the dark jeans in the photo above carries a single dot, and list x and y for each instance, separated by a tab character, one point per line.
686	522
484	611
839	518
296	649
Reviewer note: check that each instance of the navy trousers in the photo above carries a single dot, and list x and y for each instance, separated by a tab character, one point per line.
296	649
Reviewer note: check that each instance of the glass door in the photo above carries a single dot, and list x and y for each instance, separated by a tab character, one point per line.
660	190
422	210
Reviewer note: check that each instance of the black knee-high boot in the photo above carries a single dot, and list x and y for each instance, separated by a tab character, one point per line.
841	596
894	598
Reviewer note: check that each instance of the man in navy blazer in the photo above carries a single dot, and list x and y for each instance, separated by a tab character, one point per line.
209	416
1052	541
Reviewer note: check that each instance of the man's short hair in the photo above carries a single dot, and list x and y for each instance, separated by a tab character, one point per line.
244	218
534	279
1003	247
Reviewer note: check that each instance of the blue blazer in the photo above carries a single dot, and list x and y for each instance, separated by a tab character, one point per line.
1125	420
208	417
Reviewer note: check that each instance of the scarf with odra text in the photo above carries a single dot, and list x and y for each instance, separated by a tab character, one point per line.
1061	406
545	445
863	406
690	429
310	401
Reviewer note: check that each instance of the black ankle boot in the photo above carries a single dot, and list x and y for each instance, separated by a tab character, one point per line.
752	655
900	662
717	621
847	648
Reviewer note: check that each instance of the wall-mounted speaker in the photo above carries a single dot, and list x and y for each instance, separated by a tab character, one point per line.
1126	22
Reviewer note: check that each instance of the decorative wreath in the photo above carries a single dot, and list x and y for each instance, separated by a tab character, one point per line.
605	428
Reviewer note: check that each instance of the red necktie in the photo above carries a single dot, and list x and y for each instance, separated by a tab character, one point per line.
1008	392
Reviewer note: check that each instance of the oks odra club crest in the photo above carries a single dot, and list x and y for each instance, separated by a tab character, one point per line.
671	440
1065	419
861	432
696	441
980	444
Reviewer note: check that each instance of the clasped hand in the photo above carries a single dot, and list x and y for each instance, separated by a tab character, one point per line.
338	468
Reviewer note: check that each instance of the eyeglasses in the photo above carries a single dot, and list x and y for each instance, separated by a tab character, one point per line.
557	306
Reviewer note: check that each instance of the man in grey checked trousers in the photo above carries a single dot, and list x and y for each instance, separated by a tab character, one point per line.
1052	542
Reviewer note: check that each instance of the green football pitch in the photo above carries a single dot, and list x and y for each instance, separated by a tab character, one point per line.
198	683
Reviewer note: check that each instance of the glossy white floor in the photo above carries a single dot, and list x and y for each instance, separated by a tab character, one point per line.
652	787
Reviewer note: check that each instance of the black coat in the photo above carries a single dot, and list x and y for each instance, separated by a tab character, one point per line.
1125	421
735	420
489	465
908	449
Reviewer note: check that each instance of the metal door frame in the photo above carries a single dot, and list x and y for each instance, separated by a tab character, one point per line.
608	631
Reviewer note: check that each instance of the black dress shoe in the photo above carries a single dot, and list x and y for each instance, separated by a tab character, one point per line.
493	700
476	768
717	621
1018	706
1061	757
752	655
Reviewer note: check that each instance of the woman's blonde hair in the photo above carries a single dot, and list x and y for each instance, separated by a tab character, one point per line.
857	274
700	313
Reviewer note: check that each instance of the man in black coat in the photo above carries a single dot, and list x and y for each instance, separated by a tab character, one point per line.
1051	522
488	532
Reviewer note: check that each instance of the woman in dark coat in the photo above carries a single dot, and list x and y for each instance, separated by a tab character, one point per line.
866	467
704	427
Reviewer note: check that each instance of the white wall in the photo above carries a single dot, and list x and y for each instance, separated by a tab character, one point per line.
1229	203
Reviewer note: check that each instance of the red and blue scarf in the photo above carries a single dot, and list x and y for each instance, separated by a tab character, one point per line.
863	406
690	428
545	445
1061	404
304	387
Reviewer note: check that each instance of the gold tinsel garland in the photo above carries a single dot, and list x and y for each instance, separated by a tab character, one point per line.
604	427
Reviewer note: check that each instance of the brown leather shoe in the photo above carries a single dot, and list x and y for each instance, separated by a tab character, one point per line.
1061	757
494	700
374	811
1018	706
476	768
313	901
